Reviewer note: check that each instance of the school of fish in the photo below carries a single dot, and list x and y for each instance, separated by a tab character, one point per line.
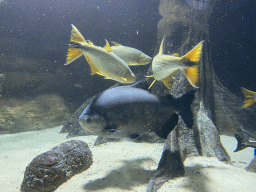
103	116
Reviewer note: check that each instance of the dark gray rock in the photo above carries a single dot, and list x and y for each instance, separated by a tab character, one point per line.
170	164
49	170
252	166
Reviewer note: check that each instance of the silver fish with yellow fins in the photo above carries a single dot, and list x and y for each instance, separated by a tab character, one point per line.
101	60
164	67
129	55
250	97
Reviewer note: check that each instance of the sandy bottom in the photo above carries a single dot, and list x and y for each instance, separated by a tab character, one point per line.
124	166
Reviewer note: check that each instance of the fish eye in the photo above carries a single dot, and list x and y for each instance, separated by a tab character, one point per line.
88	120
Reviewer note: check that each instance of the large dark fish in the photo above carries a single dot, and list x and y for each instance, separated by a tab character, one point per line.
242	144
131	111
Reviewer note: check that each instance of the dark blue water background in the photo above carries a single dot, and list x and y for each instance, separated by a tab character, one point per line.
42	30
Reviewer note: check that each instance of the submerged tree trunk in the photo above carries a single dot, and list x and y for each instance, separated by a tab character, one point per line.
215	109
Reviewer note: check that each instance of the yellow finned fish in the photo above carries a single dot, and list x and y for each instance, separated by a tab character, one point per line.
250	97
129	55
164	67
101	60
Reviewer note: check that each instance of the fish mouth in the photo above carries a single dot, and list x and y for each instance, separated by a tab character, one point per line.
110	128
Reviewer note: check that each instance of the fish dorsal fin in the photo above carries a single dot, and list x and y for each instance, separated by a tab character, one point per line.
116	44
93	68
176	54
195	54
192	74
167	81
161	49
249	97
89	42
72	55
107	46
76	36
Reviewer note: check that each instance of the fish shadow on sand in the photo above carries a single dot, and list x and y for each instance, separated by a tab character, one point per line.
130	174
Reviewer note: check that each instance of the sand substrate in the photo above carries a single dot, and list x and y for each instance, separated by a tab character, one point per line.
124	166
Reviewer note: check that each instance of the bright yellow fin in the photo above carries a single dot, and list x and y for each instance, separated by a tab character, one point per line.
100	74
161	50
195	54
125	79
176	54
116	44
249	97
107	46
89	42
167	81
152	84
93	68
76	36
192	74
150	76
72	55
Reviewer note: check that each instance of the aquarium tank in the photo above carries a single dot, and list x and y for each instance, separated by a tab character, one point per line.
127	95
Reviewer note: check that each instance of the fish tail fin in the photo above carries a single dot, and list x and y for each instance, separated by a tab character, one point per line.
192	74
74	53
240	143
195	54
184	108
76	36
249	97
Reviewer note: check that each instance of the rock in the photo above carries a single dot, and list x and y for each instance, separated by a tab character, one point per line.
35	113
170	164
252	166
49	170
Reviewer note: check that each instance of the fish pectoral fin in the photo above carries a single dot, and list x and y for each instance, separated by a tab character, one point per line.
192	74
134	63
195	54
150	76
167	81
151	84
107	46
72	55
176	54
115	44
93	68
76	36
249	97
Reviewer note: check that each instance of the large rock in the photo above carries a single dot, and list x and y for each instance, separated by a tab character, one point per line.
42	112
48	171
